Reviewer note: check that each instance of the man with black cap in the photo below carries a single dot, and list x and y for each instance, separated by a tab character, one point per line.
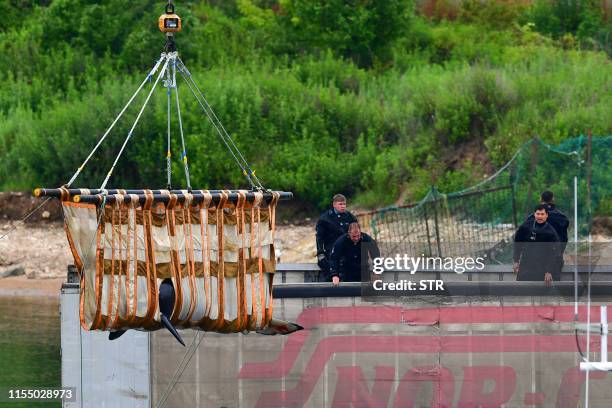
536	248
332	224
560	223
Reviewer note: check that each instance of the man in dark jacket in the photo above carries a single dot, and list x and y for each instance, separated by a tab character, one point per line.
559	222
346	259
332	224
536	249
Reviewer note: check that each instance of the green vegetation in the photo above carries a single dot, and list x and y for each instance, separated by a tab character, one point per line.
377	99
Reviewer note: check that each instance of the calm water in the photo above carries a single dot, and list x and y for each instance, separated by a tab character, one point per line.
29	345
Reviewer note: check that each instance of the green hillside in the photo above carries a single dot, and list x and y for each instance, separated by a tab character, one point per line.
376	99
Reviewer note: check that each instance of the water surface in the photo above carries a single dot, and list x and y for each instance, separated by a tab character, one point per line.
30	345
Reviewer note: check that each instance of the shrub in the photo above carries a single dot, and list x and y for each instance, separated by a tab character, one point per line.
582	18
361	31
499	14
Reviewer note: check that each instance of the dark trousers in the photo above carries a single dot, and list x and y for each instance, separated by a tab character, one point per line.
558	268
324	272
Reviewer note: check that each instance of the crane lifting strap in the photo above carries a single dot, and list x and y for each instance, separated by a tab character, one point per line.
218	255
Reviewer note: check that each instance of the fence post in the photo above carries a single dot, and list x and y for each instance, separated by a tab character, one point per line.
427	228
532	169
513	192
433	190
588	182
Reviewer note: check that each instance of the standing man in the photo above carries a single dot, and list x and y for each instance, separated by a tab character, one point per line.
331	225
560	223
347	262
536	249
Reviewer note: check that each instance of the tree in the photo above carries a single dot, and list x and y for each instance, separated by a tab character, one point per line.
362	30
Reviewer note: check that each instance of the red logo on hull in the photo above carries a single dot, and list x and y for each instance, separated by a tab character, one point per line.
482	386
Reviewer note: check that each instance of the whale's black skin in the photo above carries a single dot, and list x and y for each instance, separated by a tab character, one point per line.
166	297
116	334
166	304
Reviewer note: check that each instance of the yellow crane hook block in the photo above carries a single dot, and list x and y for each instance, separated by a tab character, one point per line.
169	22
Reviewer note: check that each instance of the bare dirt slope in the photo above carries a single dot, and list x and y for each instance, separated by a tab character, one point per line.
296	243
42	250
42	253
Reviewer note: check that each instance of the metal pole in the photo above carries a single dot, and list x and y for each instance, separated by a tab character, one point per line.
604	333
56	192
576	248
588	181
166	198
588	345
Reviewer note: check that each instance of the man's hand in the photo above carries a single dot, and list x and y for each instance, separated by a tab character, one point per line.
336	280
548	278
515	267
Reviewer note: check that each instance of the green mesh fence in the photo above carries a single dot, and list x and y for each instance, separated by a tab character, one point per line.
487	214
